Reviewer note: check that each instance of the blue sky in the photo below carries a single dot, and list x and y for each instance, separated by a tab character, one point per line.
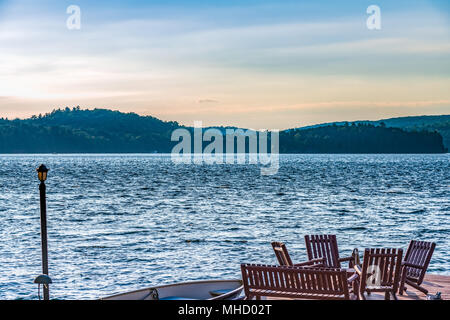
259	64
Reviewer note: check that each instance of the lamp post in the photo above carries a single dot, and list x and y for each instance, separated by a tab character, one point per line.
44	279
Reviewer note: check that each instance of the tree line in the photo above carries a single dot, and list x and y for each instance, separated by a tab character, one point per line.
104	131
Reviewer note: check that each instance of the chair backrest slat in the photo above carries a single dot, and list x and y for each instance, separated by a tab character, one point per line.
323	246
381	268
419	253
391	268
385	266
282	254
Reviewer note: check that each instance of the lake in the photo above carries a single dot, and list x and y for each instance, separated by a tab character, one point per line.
123	222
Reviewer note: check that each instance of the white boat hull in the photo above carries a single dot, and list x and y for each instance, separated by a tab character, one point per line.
196	290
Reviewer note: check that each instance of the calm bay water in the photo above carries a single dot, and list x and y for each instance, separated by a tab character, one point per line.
123	222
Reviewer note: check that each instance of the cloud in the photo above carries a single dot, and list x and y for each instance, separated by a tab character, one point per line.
250	58
208	101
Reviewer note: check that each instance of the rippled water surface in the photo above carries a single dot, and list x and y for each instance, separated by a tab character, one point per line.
118	223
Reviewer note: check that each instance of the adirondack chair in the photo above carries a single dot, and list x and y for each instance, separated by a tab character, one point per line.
295	282
284	259
380	272
325	246
415	265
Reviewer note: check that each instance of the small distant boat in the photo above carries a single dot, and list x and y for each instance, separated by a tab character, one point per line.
196	290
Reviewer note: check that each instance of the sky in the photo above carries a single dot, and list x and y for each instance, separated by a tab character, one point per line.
267	64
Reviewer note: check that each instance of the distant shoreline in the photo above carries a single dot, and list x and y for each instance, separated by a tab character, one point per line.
169	154
103	131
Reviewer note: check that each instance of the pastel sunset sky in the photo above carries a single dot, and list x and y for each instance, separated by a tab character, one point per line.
256	64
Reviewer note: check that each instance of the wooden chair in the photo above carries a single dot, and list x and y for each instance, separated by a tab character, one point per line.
380	272
284	259
325	246
295	282
415	265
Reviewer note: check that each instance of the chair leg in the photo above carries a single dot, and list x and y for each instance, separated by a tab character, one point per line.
402	287
361	295
422	289
416	286
355	290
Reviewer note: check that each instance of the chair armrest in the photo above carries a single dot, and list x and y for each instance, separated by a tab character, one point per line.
346	259
358	270
314	262
354	277
412	265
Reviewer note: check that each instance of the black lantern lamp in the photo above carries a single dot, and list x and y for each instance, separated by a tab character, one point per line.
42	173
43	279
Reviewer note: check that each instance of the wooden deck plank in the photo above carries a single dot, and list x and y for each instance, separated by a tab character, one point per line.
433	283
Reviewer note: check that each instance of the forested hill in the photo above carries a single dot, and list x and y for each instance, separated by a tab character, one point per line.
105	131
439	123
360	138
86	131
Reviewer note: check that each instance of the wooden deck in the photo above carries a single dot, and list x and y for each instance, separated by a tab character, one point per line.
433	283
